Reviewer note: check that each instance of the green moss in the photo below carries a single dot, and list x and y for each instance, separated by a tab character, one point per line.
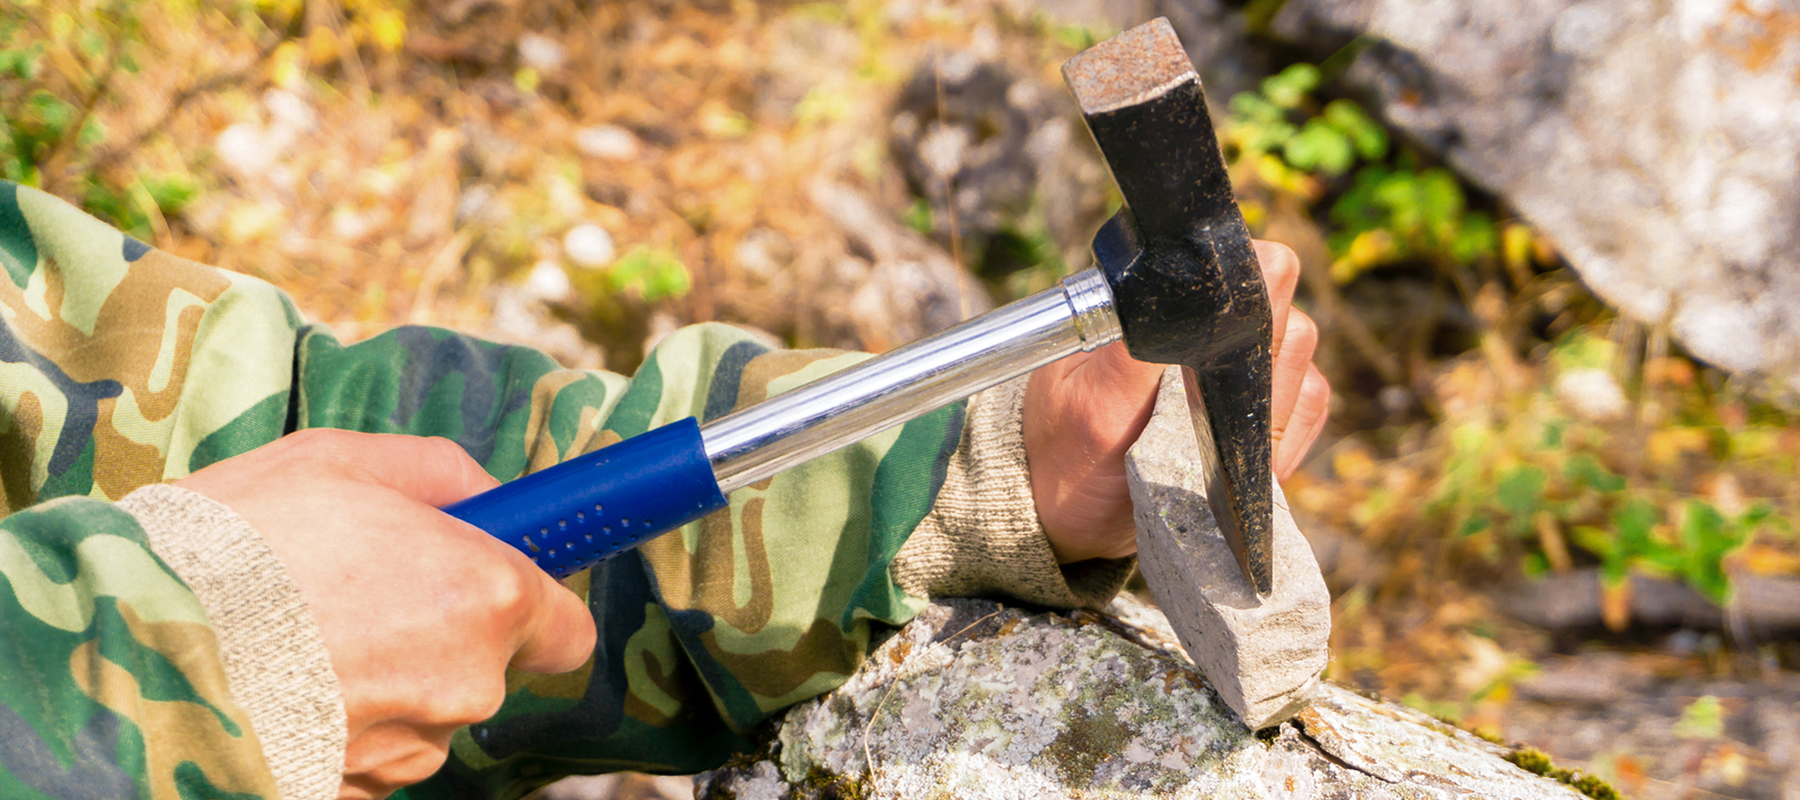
1534	761
1487	734
826	786
1088	742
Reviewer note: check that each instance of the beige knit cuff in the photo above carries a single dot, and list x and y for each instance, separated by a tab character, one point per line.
275	658
982	537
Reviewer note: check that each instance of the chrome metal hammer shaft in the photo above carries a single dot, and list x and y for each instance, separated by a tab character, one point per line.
1176	278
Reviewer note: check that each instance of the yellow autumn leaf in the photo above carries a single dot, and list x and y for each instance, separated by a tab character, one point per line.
1515	246
1669	445
1351	463
1371	247
1759	559
321	45
284	65
1255	214
388	26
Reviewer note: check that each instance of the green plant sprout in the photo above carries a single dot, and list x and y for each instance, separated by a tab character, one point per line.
1533	480
60	63
652	273
1392	210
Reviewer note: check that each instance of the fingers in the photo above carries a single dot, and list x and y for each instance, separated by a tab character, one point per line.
1281	275
562	634
546	627
1304	424
1292	362
432	470
1299	394
390	757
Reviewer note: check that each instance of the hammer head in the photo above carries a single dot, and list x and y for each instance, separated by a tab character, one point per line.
1184	277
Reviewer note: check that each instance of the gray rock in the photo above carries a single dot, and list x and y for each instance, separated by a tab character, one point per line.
975	700
1658	144
908	288
1262	655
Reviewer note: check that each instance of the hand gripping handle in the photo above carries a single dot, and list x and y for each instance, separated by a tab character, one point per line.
583	511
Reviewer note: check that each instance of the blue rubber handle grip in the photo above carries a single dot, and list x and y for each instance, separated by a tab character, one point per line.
583	511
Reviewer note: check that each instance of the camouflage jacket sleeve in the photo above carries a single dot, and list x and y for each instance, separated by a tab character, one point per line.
126	367
112	682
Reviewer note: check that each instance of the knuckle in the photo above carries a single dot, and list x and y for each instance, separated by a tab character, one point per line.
510	594
324	444
479	700
416	765
1280	262
446	450
1302	334
1315	392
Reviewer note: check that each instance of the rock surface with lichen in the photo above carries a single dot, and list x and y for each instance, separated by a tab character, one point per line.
978	700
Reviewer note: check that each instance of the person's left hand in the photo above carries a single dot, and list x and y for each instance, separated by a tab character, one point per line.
1082	413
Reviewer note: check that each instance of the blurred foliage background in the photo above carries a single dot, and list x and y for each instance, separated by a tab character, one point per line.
584	176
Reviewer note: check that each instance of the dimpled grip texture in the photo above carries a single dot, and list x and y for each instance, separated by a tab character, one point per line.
583	511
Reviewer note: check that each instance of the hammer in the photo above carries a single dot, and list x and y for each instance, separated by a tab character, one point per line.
1175	277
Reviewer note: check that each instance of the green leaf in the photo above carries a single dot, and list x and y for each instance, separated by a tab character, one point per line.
1520	489
1477	238
92	133
1268	137
50	112
1289	88
654	273
1702	719
918	216
92	45
1476	523
1634	523
1399	194
1554	429
1367	135
1254	107
1537	565
1359	209
22	64
1440	198
1708	537
1582	349
1073	37
172	192
1585	470
1320	147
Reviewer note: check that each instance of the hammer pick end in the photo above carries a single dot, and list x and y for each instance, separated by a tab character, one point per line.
1234	435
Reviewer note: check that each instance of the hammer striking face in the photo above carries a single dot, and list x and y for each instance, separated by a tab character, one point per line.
1184	277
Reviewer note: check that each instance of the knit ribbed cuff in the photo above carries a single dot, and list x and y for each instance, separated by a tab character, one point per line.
275	658
983	537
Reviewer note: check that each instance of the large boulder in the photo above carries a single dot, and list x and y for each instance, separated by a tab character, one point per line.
975	700
1657	143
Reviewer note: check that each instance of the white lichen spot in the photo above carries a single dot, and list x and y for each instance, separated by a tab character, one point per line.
764	783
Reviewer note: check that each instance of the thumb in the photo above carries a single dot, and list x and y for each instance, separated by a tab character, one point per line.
562	635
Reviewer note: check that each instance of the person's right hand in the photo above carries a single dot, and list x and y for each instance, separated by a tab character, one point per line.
421	612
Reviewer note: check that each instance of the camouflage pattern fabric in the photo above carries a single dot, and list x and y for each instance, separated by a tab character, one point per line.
122	366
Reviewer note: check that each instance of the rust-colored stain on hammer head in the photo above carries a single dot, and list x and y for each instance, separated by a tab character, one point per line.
1128	69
